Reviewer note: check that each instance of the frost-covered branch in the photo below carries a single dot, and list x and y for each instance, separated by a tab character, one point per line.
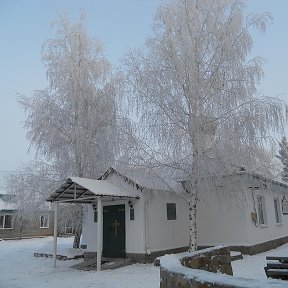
196	96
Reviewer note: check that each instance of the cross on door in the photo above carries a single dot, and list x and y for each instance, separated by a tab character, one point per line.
116	224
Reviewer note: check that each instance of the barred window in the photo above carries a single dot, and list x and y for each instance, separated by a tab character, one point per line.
171	211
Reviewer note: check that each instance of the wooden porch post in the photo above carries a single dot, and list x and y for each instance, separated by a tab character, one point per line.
99	233
55	233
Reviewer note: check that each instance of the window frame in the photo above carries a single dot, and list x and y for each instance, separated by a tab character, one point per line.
45	221
171	211
261	210
4	221
69	226
277	209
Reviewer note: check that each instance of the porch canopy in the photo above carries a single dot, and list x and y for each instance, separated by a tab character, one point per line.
87	191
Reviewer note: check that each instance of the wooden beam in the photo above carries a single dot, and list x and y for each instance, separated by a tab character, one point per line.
63	191
55	234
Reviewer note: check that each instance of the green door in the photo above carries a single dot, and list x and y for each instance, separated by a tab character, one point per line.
114	231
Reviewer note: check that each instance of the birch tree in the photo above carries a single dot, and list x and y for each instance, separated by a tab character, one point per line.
72	122
195	90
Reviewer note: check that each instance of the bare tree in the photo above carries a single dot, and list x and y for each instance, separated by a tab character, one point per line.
30	185
72	122
196	91
283	156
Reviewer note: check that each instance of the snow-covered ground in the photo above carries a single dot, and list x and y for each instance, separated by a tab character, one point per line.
20	269
253	266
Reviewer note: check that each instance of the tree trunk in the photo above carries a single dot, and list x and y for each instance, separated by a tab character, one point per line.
193	190
193	235
77	237
78	226
21	228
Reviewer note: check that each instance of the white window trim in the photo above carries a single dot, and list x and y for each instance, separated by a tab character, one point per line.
264	211
3	227
48	218
69	227
278	211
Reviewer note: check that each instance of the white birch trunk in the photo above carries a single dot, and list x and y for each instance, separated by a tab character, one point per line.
193	235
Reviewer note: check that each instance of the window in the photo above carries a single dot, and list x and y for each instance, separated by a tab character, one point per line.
277	210
261	210
171	211
95	216
69	227
132	214
44	221
6	222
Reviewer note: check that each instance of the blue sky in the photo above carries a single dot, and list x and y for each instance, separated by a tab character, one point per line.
25	25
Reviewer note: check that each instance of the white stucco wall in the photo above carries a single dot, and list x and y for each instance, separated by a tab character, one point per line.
162	233
135	229
135	240
89	235
272	230
221	220
167	234
228	221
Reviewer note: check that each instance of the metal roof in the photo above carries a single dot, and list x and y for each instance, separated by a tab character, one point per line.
83	190
154	178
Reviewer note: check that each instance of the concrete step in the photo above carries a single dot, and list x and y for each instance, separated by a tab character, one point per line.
107	263
236	255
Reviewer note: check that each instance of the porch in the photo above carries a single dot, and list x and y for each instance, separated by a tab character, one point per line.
88	191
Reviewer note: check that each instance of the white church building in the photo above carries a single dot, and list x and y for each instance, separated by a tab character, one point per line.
136	215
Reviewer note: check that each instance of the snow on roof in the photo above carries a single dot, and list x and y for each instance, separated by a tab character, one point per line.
102	187
260	177
85	190
156	178
168	178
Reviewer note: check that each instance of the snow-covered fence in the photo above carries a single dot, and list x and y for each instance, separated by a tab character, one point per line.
195	270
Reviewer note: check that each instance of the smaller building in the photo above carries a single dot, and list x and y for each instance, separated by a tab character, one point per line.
15	226
134	213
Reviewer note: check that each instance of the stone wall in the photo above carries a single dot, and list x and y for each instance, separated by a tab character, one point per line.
196	271
260	247
213	260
